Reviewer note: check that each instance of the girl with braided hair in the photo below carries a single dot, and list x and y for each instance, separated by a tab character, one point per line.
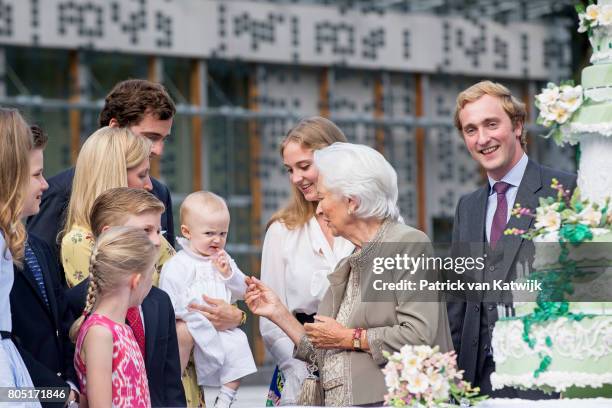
108	361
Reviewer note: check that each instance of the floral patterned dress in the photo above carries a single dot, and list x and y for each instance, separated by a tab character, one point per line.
129	377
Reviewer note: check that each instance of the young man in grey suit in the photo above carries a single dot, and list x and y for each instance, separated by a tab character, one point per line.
491	122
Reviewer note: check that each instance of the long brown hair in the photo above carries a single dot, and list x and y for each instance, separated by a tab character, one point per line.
312	133
15	144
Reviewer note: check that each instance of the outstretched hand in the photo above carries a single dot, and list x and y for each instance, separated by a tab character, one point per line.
261	299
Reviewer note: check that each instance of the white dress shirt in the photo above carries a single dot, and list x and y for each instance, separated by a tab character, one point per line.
295	264
513	177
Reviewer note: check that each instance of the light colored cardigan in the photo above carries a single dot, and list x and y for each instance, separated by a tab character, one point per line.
390	325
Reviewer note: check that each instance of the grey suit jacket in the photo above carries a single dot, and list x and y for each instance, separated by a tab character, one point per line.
469	227
390	325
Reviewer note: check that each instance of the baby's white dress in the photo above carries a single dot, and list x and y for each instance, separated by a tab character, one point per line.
219	356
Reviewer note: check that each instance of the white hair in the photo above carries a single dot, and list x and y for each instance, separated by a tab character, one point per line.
363	174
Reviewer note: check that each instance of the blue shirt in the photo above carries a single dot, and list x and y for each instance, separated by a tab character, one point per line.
32	262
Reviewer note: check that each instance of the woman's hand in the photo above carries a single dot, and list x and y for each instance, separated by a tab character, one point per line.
262	300
327	333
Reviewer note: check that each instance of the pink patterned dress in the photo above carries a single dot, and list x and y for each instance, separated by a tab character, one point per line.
129	377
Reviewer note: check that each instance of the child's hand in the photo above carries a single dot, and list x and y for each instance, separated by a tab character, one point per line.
221	262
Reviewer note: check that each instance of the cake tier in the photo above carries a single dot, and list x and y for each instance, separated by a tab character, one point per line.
592	293
593	117
591	308
580	352
596	252
595	166
553	403
601	41
597	82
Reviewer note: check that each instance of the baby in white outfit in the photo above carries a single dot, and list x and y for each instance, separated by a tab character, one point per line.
203	267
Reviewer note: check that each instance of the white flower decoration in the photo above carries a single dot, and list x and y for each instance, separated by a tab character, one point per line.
423	351
411	363
557	104
560	114
570	97
592	13
589	216
605	15
392	379
418	383
549	95
548	218
439	386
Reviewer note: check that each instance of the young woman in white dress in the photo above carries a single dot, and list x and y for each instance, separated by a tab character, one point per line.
15	143
298	252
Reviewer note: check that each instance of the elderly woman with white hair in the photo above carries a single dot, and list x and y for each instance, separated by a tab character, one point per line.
358	194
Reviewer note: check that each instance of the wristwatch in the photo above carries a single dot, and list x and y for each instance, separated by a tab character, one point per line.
357	338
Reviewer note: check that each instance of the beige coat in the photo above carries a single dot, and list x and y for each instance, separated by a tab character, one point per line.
390	324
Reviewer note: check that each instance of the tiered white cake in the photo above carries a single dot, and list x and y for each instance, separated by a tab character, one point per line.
573	351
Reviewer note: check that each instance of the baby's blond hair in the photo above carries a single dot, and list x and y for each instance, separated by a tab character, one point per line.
200	201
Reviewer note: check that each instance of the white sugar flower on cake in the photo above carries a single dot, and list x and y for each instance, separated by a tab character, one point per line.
605	16
572	218
593	16
590	216
557	104
548	218
592	13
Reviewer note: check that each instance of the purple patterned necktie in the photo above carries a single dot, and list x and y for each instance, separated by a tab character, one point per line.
501	213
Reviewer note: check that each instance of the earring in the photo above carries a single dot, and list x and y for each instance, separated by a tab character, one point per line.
350	212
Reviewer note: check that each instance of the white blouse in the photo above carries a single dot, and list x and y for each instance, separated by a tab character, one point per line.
295	264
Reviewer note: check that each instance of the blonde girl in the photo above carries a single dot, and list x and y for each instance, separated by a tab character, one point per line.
107	358
15	144
298	251
111	157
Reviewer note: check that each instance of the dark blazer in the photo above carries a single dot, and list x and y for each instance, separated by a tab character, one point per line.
161	344
40	330
471	322
54	205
